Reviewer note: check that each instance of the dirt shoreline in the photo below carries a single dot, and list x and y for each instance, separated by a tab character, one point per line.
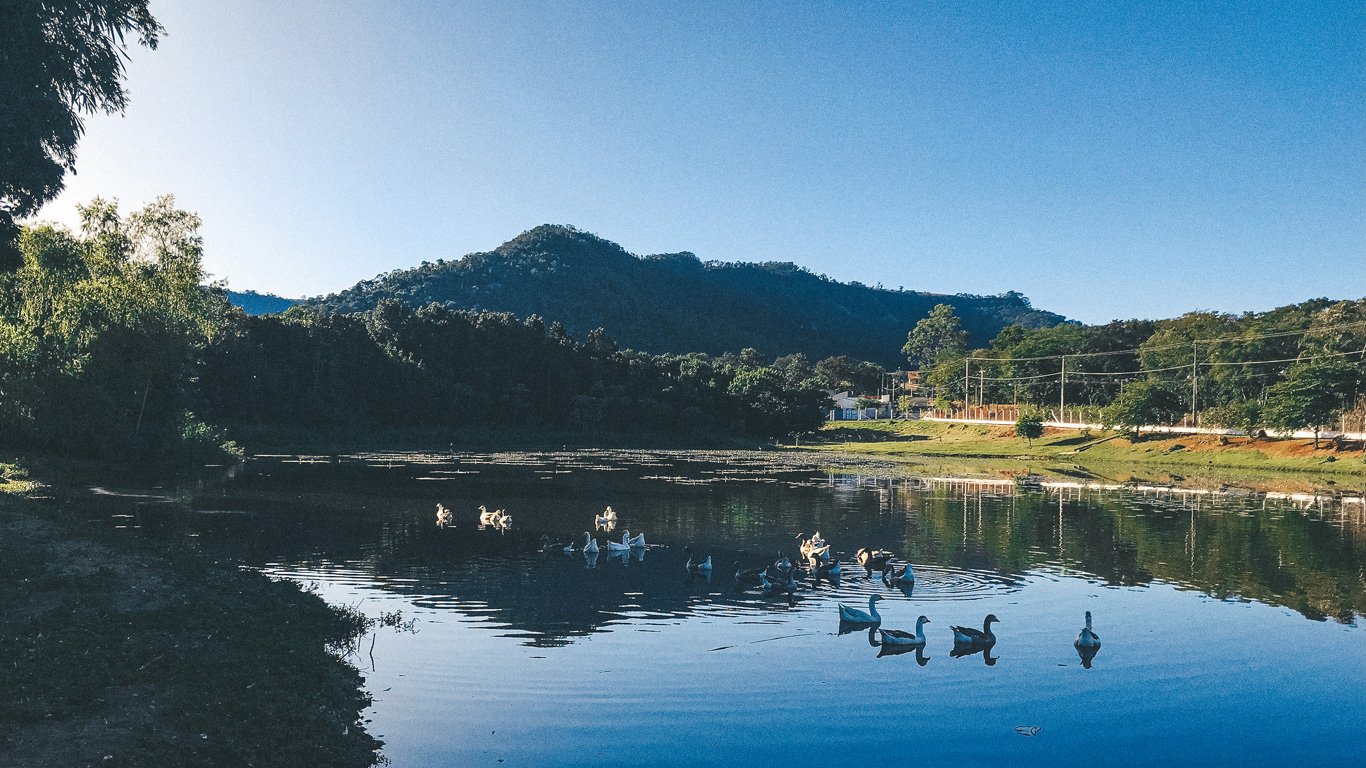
121	653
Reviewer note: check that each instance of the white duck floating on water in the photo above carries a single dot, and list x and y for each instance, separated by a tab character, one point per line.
607	519
637	540
590	544
855	616
814	547
1086	638
970	636
900	637
485	516
444	516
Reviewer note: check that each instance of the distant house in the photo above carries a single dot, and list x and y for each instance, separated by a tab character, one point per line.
846	407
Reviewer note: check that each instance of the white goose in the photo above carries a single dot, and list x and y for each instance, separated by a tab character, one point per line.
1086	638
444	516
855	616
590	544
501	519
637	540
970	636
899	637
606	519
618	546
485	516
814	547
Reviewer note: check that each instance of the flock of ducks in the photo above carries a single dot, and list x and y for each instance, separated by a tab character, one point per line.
781	579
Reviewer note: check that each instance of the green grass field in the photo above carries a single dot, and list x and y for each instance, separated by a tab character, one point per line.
996	449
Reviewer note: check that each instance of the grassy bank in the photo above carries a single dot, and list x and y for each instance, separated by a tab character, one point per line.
122	653
996	449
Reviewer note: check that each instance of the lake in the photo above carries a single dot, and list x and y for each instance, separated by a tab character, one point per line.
1230	622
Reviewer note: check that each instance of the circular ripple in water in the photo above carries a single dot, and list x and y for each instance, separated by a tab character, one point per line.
932	583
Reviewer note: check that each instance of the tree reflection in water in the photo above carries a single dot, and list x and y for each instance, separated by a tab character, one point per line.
966	539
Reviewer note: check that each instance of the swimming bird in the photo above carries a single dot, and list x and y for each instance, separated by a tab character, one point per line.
753	576
814	546
820	570
617	546
873	559
501	519
548	546
900	637
590	544
632	541
607	519
970	636
904	578
486	517
855	616
1086	638
444	516
697	566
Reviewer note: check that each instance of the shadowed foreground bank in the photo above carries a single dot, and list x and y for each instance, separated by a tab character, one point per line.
122	654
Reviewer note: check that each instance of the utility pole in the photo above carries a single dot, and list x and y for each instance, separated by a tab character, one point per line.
981	384
1195	377
1062	390
966	391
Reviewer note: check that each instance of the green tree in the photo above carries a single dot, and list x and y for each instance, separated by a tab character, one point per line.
1029	426
938	333
59	60
1311	395
1143	403
99	333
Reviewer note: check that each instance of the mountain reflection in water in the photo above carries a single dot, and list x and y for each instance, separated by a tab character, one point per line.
1210	605
967	540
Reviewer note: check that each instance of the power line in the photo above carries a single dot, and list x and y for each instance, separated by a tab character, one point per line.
1144	371
1181	345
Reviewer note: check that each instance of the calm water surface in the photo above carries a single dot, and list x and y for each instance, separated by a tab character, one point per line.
1230	625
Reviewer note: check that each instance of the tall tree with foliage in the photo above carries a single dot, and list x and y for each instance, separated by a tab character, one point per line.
939	333
59	60
1143	403
100	332
1311	395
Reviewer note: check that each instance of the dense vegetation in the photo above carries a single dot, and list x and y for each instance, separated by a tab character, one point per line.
59	60
110	345
100	333
396	367
1296	367
677	303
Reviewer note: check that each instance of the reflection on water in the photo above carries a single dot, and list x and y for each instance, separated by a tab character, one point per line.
520	638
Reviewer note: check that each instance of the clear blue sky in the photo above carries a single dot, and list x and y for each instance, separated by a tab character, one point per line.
1108	160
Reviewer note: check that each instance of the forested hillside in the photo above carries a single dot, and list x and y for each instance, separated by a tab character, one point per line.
678	303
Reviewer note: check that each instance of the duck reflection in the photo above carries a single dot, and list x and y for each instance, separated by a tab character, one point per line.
850	627
896	650
590	558
968	649
1087	653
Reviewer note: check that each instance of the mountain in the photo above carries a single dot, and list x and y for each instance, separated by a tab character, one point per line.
254	303
677	303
